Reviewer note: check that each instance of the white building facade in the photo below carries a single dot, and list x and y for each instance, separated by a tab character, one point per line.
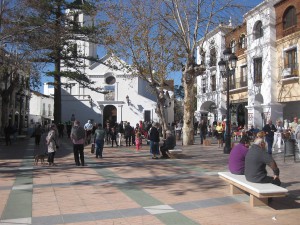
254	95
124	97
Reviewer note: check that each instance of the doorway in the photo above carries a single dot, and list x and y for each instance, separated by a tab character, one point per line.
110	114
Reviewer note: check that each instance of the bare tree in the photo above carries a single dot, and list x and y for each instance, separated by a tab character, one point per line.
188	21
138	37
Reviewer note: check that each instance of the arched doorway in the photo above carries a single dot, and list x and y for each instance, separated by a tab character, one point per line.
109	114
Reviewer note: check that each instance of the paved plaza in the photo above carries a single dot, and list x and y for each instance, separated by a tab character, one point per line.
129	188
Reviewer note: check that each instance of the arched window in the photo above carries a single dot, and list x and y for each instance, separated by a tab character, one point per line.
110	80
242	41
289	18
258	31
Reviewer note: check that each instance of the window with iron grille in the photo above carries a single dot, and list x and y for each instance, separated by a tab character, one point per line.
204	85
290	58
213	57
257	70
242	41
233	46
289	18
213	82
243	76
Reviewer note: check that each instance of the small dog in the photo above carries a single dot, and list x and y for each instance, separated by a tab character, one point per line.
40	157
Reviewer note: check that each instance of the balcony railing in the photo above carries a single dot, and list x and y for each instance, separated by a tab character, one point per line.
236	85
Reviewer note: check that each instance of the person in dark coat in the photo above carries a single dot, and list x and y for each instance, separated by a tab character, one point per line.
256	161
203	130
269	129
168	144
127	134
113	137
154	141
7	133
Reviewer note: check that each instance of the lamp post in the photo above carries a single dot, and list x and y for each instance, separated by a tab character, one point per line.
227	68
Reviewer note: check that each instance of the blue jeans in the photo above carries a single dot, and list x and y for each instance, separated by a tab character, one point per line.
154	148
202	137
99	147
270	144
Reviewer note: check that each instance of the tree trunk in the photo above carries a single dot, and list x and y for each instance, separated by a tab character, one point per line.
57	94
188	107
161	116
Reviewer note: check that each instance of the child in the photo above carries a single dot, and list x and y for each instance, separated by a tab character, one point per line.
113	136
138	140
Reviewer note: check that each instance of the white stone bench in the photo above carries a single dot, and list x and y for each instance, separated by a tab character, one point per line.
174	151
259	193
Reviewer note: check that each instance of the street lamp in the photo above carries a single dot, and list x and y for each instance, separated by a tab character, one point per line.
227	68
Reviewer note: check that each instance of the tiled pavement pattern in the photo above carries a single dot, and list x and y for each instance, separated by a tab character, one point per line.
129	188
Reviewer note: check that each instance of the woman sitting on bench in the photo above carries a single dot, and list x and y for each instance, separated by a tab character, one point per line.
237	156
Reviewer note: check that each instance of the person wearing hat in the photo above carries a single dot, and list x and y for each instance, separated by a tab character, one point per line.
237	156
169	143
256	161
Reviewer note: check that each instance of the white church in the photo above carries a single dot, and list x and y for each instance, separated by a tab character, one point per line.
126	97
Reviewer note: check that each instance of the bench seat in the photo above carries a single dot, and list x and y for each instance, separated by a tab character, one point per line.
259	193
175	151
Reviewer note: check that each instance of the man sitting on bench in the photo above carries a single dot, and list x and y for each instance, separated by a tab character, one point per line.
255	164
169	143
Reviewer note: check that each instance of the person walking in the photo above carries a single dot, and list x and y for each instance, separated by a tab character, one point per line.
99	137
219	132
120	132
278	136
203	130
154	141
78	139
269	129
52	143
38	134
127	134
113	137
88	127
7	133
